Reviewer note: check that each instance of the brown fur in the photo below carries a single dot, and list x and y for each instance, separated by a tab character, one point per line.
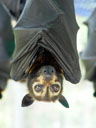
35	76
44	58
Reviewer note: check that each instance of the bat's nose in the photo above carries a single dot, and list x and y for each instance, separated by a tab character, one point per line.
48	71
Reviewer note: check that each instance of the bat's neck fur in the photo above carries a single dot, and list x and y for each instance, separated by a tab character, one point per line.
44	57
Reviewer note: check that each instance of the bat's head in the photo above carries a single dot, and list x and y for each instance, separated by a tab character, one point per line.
44	81
45	84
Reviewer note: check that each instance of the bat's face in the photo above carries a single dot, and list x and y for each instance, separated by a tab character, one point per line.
45	84
45	80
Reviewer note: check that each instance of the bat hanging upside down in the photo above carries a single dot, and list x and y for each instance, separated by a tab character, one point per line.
45	80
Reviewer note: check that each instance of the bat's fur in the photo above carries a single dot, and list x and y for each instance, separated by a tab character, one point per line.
45	58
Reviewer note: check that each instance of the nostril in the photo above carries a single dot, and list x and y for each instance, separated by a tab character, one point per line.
48	70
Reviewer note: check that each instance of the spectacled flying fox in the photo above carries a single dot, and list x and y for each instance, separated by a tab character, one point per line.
45	80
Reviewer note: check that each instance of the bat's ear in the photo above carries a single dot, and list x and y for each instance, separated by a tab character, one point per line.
63	101
27	100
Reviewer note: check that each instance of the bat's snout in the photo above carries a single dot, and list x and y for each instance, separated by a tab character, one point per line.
48	71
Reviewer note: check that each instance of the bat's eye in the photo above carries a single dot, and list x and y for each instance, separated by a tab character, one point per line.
38	88
55	87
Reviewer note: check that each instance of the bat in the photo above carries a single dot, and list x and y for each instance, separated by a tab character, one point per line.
6	47
44	34
45	81
88	56
14	7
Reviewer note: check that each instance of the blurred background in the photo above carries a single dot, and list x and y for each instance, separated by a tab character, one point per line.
82	111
